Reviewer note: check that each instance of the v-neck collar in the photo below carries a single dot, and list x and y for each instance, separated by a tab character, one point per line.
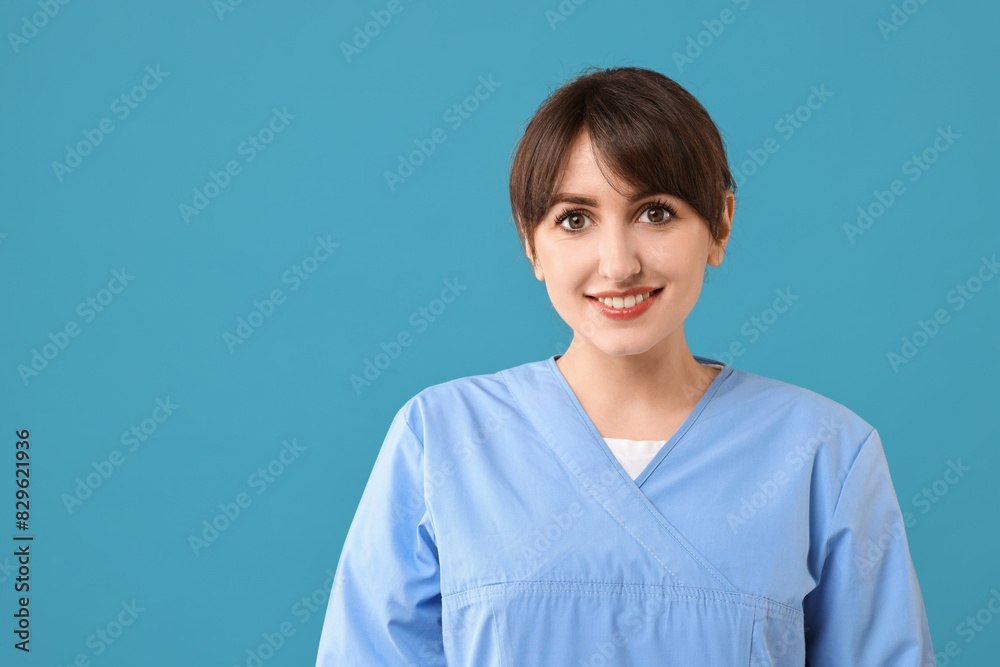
703	402
547	401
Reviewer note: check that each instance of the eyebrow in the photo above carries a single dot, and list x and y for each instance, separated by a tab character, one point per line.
587	201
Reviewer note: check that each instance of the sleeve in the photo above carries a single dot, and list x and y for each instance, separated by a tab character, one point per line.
385	604
867	608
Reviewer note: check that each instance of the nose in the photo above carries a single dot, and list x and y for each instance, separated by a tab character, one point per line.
619	253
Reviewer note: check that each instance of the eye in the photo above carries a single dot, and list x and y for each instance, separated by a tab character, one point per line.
577	219
659	212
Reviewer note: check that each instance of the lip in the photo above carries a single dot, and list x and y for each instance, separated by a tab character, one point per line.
632	292
626	313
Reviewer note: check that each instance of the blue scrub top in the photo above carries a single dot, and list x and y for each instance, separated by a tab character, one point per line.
498	529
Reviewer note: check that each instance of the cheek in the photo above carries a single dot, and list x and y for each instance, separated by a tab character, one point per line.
682	260
566	271
672	265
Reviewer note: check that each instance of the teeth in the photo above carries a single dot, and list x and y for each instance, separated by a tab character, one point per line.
626	302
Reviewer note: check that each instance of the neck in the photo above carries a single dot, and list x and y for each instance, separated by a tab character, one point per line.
664	378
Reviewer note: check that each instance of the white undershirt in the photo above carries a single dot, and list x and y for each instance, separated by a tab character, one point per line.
635	455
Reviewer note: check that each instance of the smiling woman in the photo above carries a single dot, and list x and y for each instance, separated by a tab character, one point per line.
576	510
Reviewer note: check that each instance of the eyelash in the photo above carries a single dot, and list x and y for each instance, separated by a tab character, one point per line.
565	213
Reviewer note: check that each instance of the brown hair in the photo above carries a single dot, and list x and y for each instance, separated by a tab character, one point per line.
646	127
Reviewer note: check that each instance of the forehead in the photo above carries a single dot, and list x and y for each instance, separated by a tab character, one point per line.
580	157
581	171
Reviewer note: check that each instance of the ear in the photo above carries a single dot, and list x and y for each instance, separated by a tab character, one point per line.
718	248
537	268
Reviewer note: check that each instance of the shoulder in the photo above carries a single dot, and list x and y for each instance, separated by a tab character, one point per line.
462	402
789	399
823	430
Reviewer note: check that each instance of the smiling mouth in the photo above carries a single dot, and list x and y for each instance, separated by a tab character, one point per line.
625	302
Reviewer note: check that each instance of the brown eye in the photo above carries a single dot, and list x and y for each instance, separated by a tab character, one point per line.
659	213
573	221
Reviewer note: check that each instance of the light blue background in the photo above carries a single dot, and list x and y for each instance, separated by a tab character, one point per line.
323	176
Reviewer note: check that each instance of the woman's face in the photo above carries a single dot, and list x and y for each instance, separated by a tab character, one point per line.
622	247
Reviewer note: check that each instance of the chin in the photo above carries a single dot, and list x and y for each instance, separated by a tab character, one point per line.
623	348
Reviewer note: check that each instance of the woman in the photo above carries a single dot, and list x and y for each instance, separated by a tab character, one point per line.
625	503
